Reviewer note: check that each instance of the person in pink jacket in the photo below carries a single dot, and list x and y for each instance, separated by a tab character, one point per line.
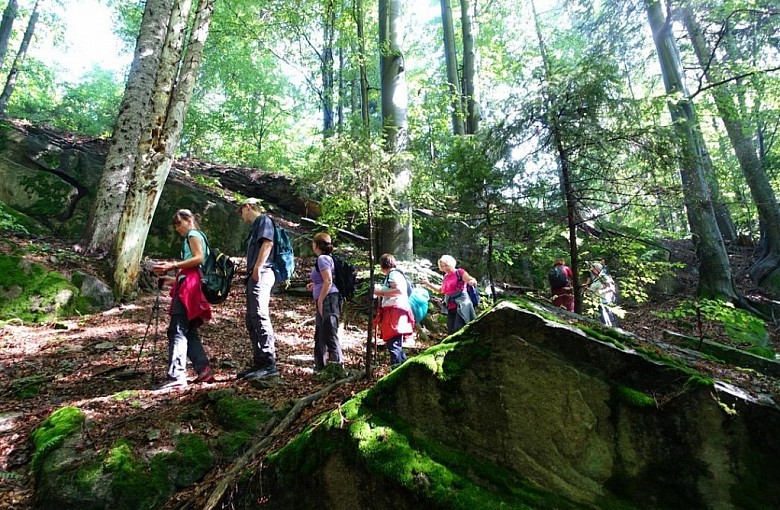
189	308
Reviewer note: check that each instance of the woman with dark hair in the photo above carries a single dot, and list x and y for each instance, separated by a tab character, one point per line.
189	308
395	315
327	348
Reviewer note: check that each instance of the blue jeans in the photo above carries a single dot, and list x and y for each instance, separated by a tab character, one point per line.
327	347
258	319
395	349
183	342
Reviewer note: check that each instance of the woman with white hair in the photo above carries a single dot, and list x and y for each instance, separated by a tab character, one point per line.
460	311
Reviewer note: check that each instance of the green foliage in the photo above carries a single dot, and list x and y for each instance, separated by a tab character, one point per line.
89	106
741	327
53	431
11	221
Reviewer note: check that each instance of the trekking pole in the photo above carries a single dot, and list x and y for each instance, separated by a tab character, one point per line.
156	330
155	314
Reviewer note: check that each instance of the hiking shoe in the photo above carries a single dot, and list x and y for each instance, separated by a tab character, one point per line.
242	374
205	376
263	373
171	384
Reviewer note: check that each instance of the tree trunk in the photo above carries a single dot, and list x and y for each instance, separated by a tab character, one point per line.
760	186
469	68
10	81
326	69
395	230
9	16
715	279
132	123
359	23
451	61
155	162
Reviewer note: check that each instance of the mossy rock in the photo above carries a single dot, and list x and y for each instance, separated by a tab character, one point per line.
31	293
236	413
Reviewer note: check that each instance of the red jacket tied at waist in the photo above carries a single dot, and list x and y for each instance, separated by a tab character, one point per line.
191	295
394	321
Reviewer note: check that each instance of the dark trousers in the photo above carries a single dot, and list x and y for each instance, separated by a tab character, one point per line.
327	347
258	319
183	342
454	321
395	350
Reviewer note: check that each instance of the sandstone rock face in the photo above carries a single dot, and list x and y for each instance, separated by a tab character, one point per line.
579	418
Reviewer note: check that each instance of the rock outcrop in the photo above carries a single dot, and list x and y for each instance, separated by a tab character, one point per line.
518	411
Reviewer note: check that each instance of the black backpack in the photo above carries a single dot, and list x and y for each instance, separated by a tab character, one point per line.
557	278
217	272
344	277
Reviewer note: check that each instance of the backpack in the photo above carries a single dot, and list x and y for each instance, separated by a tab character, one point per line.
217	272
557	277
284	258
473	292
418	298
344	277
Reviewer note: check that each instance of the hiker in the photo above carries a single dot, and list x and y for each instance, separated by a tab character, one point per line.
260	279
600	283
394	315
327	304
189	308
460	311
561	280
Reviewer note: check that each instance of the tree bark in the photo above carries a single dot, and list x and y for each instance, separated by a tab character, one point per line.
10	81
326	68
469	68
760	186
155	161
9	16
359	23
395	229
715	279
451	61
132	123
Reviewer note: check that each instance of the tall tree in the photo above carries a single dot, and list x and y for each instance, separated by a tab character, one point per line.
327	67
467	21
767	268
451	62
10	81
714	270
395	225
174	88
9	16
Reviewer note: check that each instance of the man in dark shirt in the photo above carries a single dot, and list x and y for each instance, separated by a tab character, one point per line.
258	291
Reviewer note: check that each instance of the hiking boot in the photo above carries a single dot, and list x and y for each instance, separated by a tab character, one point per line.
263	373
171	384
205	376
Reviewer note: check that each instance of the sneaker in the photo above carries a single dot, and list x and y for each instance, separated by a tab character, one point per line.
263	373
242	374
171	384
205	376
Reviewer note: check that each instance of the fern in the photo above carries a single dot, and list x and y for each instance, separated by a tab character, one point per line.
5	475
43	449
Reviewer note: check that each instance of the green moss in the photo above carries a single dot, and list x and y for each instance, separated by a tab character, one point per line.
764	352
189	461
32	294
634	397
231	444
135	485
124	395
53	431
236	413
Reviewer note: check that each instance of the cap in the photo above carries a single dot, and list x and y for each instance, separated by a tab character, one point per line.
596	266
251	201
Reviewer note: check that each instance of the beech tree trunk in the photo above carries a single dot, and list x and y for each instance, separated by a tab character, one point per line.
469	67
327	67
359	24
9	16
134	120
451	61
10	81
155	158
395	225
767	268
715	279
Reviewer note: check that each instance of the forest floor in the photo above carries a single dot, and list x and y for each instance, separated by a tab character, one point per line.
81	362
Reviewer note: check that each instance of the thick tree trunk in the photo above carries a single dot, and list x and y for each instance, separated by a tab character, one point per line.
150	176
359	23
326	68
469	67
132	123
395	230
9	16
715	279
10	81
451	61
760	186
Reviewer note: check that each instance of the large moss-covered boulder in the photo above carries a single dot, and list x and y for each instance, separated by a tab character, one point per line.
516	411
31	293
